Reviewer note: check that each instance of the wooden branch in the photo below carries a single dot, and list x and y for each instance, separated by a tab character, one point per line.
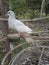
3	39
41	56
40	38
47	31
13	36
3	19
28	20
36	19
17	36
14	39
40	32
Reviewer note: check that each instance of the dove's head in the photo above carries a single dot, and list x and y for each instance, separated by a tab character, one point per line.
11	14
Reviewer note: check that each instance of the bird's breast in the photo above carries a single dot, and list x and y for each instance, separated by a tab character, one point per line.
11	24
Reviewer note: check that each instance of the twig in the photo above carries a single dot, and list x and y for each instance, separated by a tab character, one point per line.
3	39
35	19
41	56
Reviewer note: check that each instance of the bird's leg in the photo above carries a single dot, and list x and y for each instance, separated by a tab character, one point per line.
26	36
23	35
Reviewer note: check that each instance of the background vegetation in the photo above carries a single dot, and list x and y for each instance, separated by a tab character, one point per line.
33	8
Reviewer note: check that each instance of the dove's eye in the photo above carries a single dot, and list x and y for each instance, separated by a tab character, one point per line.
9	12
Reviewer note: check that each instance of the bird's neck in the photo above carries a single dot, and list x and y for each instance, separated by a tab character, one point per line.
11	17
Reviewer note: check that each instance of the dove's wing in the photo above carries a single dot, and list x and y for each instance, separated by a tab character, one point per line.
20	27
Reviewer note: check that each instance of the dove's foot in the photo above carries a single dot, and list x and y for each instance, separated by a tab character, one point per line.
23	35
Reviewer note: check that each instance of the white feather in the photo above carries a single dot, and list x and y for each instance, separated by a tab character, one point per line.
17	24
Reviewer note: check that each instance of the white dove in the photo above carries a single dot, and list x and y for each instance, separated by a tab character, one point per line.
17	25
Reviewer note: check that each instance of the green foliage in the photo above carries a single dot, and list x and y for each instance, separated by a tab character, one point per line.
19	7
33	9
34	4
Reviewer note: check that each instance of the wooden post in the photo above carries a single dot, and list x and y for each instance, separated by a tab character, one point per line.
5	26
5	23
42	8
